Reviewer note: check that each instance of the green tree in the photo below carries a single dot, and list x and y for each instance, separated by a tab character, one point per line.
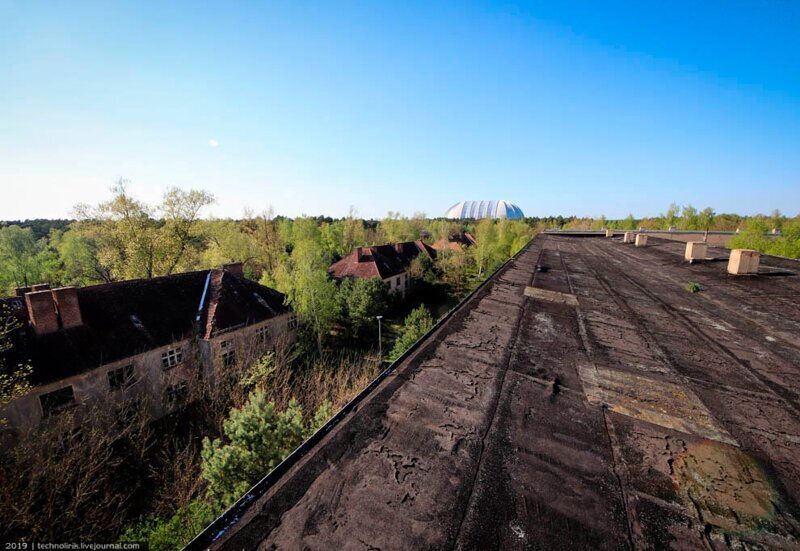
305	281
705	219
418	322
258	437
689	219
673	213
454	267
485	249
18	250
361	300
133	242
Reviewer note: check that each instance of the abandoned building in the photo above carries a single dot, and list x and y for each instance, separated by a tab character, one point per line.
389	263
581	398
455	242
137	341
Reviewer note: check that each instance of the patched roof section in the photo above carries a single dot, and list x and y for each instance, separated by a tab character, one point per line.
126	318
382	261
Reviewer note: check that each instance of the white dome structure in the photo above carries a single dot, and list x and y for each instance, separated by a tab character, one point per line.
484	209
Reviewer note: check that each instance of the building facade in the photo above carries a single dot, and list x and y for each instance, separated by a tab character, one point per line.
139	343
389	263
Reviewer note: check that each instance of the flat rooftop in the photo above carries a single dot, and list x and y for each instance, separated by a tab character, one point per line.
591	403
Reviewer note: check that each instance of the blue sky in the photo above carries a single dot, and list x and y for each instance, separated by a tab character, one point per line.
582	108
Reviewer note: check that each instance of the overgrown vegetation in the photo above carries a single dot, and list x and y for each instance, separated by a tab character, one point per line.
693	287
121	475
415	326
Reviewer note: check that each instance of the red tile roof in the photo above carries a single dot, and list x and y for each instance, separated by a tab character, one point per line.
382	261
455	242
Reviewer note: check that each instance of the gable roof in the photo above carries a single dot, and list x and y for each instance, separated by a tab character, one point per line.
125	318
455	242
382	261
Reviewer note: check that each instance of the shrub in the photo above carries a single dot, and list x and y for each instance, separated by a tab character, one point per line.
693	287
418	322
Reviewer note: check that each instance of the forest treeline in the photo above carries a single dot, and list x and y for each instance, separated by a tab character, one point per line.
773	234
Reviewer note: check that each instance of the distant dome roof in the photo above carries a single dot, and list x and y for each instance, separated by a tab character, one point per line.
484	209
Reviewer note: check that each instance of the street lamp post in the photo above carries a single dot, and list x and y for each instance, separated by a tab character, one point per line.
380	340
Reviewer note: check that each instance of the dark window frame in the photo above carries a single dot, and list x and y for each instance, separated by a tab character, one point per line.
177	393
121	377
229	358
263	334
171	358
57	401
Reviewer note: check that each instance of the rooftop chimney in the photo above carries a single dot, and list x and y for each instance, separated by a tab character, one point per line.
42	312
20	291
236	269
628	237
641	240
398	247
743	261
69	310
40	287
359	252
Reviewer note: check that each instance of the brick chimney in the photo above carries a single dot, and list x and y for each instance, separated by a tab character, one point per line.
398	247
42	312
69	310
359	252
40	287
20	291
236	269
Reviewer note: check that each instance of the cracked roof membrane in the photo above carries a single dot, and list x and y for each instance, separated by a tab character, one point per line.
582	399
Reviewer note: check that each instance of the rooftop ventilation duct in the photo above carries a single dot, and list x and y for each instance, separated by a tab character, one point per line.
695	250
743	261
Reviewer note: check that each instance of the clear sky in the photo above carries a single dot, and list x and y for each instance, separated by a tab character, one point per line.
582	108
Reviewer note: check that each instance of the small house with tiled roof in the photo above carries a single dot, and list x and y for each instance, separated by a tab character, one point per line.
143	340
388	263
455	242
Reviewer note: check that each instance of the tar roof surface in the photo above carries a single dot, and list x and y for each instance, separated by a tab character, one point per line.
603	407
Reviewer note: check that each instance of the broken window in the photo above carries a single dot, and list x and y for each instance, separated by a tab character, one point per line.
177	393
293	321
57	401
262	334
121	377
229	358
171	358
